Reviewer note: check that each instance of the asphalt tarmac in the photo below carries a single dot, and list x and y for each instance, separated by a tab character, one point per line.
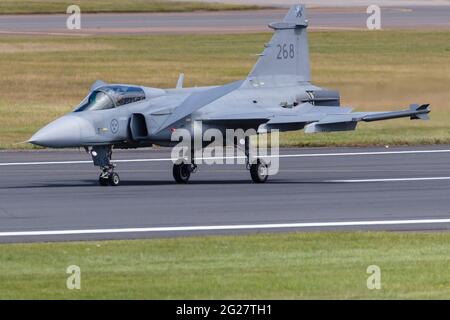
54	196
341	18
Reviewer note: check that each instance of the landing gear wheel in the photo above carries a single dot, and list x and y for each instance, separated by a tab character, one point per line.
259	172
182	172
114	179
103	180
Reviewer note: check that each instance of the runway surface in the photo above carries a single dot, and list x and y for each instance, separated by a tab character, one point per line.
45	198
344	18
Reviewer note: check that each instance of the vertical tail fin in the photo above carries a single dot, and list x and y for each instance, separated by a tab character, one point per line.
286	56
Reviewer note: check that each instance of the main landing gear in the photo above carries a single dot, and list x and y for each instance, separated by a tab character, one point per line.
259	170
182	171
101	155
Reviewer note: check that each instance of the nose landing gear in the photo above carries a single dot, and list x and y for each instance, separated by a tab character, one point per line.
101	155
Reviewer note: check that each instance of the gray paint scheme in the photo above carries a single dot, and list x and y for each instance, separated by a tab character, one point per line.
277	94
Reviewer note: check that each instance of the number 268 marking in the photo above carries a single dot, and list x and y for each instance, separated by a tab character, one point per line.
286	51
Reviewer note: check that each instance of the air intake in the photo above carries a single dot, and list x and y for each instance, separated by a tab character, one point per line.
138	127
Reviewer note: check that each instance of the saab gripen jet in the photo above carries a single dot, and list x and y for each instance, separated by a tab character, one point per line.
277	94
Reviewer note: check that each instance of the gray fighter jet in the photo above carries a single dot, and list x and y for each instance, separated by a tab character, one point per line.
277	94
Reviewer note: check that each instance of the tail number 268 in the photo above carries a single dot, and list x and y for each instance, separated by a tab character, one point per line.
285	51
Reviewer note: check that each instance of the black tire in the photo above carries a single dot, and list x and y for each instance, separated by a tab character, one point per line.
258	172
103	181
181	172
114	179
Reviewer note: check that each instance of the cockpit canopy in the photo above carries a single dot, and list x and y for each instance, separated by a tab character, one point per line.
108	97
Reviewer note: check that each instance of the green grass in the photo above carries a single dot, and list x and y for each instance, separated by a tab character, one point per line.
276	266
44	77
97	6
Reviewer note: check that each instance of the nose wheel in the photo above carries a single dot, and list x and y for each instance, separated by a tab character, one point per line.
109	178
103	181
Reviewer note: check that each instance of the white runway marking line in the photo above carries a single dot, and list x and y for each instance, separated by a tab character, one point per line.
389	180
224	227
304	155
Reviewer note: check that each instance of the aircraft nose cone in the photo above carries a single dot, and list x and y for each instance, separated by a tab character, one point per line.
63	132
